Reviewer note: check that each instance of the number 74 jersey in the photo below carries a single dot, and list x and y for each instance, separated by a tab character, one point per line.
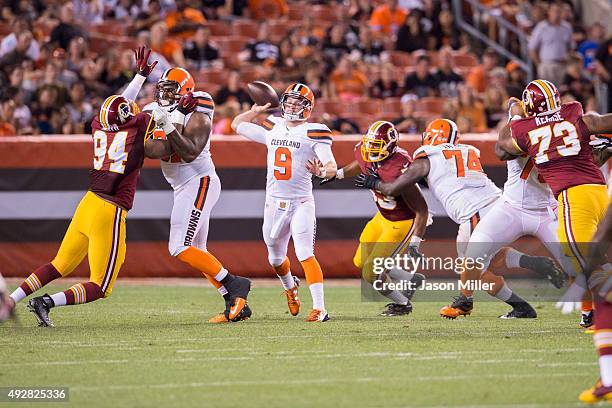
457	180
559	145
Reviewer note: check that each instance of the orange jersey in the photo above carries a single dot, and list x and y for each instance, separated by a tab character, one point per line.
559	144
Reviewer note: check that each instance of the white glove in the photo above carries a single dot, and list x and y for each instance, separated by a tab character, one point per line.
572	299
601	143
160	117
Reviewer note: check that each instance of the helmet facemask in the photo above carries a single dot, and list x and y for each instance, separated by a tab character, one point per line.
373	150
295	107
167	94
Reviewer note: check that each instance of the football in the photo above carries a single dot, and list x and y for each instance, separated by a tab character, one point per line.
262	93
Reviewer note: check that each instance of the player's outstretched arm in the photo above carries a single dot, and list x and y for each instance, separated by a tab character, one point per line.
249	130
349	171
143	69
416	171
506	148
597	123
413	197
157	148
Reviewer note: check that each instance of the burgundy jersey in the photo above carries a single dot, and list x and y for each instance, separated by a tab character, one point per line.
118	158
559	145
392	208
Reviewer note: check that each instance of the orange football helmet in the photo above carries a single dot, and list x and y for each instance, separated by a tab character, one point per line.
297	102
174	83
379	142
441	131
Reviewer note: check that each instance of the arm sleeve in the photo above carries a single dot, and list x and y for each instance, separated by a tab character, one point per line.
324	152
131	92
252	132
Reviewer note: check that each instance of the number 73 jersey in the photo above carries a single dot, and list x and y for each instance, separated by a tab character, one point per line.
118	158
457	180
558	143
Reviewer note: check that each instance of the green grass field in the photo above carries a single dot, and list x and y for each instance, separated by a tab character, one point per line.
151	346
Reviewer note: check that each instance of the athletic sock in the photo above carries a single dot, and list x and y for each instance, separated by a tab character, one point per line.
605	369
283	272
513	258
318	296
78	294
400	275
603	340
516	301
397	297
504	294
37	279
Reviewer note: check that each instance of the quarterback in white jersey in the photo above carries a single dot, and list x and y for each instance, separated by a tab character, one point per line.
184	123
455	176
294	146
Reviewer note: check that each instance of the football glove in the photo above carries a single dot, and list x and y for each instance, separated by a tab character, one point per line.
187	104
368	181
162	120
142	66
325	181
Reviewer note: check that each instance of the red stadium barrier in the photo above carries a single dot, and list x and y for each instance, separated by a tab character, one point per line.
27	243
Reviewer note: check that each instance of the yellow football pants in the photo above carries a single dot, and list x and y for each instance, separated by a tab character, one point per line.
581	208
379	239
97	229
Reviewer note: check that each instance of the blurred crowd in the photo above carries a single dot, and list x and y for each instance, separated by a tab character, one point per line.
401	60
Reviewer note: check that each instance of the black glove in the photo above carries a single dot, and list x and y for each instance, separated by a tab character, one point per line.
413	252
187	104
142	66
368	181
601	143
325	181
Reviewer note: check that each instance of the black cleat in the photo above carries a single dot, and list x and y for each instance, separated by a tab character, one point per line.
416	281
545	267
461	306
524	312
394	309
41	306
587	319
238	289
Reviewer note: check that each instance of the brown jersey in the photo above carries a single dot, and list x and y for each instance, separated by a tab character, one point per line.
118	158
559	145
392	208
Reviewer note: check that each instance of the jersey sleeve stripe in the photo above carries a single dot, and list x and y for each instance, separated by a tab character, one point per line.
527	169
320	137
516	144
420	155
267	124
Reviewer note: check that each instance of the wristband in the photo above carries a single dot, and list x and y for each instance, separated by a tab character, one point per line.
168	128
340	174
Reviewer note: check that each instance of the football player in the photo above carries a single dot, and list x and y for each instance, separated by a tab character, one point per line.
182	142
455	176
292	143
97	228
557	138
400	220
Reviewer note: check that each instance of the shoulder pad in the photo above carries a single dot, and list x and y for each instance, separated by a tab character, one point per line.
205	102
425	151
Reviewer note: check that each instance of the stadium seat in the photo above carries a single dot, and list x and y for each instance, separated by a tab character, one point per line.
211	76
218	27
244	27
296	12
277	30
432	105
368	106
363	121
392	107
399	58
110	27
249	73
325	13
233	44
464	61
330	106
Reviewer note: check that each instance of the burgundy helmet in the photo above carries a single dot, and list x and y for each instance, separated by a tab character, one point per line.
116	111
541	96
379	142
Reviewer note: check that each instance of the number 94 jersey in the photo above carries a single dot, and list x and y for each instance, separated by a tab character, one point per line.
558	142
457	180
118	158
